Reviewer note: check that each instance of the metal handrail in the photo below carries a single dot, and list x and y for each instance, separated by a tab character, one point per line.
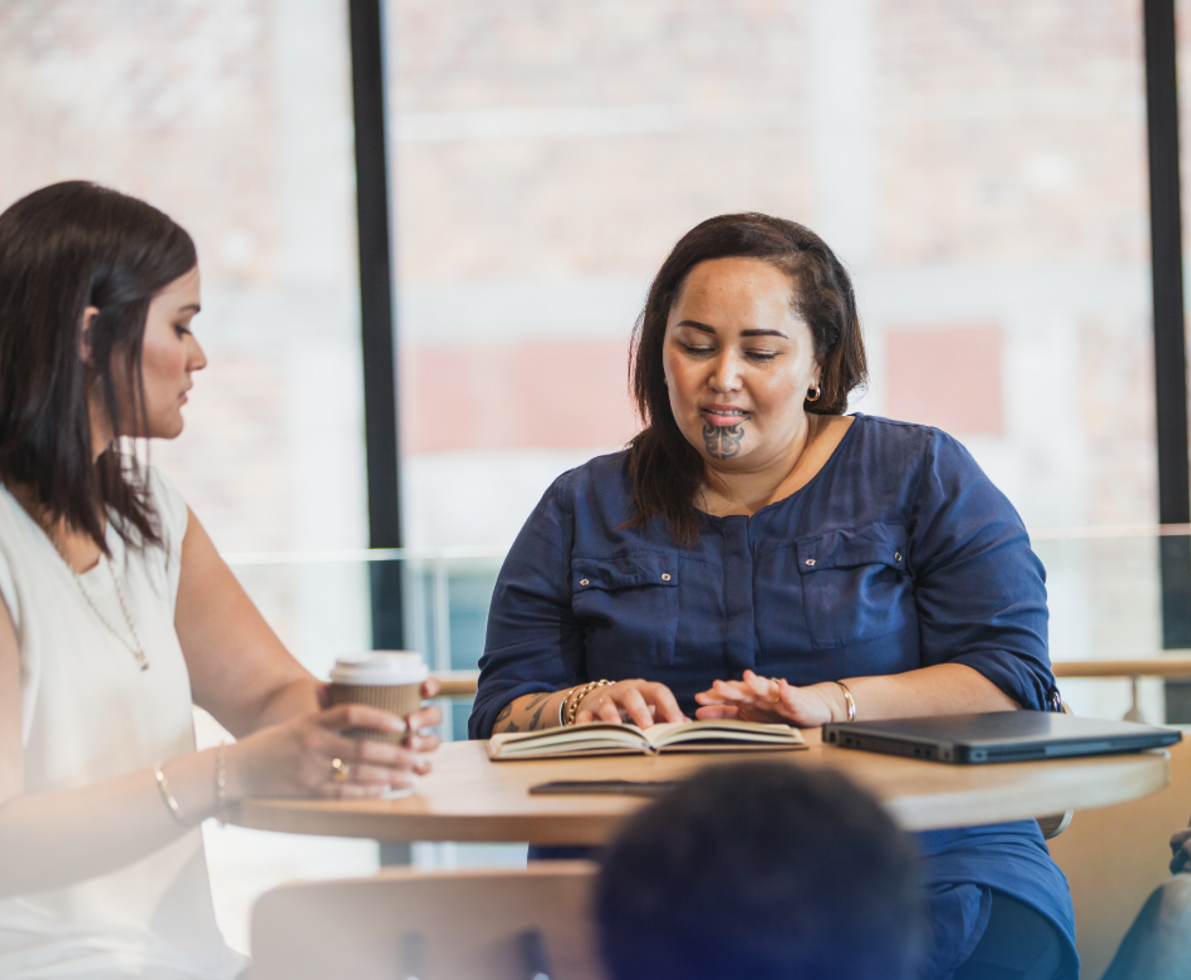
341	555
1091	532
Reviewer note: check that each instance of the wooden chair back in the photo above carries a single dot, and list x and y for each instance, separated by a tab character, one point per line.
1115	856
400	924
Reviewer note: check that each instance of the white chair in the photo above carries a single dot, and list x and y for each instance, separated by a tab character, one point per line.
473	925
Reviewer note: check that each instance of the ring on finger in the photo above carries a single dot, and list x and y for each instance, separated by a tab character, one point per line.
340	771
778	696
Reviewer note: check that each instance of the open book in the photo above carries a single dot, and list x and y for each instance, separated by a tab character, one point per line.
602	738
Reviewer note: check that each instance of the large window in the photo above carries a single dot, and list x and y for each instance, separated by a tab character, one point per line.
980	168
233	116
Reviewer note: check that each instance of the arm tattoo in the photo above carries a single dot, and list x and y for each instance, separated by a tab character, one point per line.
505	712
540	704
722	442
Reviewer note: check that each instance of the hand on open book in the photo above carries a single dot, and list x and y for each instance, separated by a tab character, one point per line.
641	702
766	699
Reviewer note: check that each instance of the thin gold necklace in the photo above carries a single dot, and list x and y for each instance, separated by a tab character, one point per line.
135	648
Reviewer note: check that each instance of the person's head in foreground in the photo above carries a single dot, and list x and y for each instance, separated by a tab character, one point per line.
762	871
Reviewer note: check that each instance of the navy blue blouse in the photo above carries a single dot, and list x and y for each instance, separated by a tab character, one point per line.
898	554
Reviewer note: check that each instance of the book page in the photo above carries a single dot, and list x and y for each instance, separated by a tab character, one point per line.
577	738
727	731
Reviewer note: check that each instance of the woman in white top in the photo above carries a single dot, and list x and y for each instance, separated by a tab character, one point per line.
118	613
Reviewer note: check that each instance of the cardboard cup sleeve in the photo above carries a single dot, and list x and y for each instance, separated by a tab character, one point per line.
401	699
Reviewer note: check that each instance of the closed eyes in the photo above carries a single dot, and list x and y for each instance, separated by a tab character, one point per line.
754	355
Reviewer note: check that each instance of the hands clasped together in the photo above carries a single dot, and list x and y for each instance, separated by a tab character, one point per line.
753	698
310	755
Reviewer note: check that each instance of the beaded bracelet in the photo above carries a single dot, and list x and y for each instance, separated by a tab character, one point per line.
565	716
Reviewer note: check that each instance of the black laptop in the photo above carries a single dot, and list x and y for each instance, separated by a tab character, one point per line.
998	736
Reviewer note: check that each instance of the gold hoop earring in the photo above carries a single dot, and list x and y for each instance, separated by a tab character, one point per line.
813	393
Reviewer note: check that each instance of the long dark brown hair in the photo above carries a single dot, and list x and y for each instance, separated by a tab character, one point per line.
667	471
62	249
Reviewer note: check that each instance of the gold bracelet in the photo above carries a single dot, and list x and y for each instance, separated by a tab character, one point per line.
573	711
164	788
848	700
575	695
221	783
579	695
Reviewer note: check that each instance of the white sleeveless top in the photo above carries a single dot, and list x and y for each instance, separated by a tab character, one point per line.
89	713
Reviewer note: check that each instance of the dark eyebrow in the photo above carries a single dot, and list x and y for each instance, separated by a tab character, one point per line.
744	333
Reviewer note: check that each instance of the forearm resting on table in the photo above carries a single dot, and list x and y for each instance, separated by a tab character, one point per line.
530	711
944	689
51	840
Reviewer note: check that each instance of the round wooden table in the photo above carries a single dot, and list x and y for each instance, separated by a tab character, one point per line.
469	798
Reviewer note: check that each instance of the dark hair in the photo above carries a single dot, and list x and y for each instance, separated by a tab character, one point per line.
63	248
763	870
667	471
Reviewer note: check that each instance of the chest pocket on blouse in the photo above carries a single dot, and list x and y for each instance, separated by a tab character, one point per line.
628	606
854	584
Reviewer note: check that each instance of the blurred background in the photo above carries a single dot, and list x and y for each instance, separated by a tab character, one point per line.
980	168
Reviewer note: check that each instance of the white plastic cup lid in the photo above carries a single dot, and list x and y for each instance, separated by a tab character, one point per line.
380	667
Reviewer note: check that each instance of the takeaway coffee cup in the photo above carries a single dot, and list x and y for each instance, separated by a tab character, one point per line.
388	679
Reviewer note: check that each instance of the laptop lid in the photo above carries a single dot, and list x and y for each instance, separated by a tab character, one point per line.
998	736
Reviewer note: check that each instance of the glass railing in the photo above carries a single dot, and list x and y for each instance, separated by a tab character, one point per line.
1105	599
320	605
1104	587
1104	591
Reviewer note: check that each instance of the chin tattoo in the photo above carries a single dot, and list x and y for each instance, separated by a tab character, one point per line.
722	442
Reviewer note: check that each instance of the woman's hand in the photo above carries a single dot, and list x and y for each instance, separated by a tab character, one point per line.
643	703
309	755
768	699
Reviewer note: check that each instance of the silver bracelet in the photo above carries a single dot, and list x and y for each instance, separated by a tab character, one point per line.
562	705
848	700
164	788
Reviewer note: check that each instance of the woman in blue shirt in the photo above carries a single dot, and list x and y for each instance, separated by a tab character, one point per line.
755	553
